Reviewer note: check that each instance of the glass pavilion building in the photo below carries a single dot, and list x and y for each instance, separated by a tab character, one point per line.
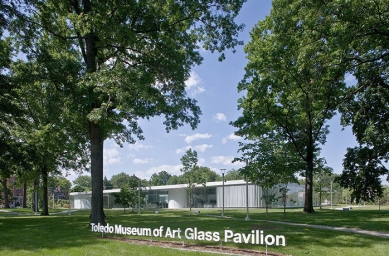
236	193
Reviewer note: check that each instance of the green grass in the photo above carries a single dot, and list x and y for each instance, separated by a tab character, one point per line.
62	234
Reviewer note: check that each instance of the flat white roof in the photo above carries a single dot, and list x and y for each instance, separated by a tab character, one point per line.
167	187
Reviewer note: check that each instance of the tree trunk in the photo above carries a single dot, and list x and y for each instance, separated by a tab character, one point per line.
25	195
308	203
35	204
45	206
5	191
97	143
320	191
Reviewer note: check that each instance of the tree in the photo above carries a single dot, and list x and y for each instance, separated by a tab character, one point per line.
134	59
83	181
368	113
362	169
124	197
207	175
77	188
47	123
234	175
291	91
283	190
10	112
191	173
119	180
270	163
323	178
384	198
355	35
129	193
59	184
160	179
176	180
107	183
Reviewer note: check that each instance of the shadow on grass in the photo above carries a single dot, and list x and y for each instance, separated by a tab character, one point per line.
33	233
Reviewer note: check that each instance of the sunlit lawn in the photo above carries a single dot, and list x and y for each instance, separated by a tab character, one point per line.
64	234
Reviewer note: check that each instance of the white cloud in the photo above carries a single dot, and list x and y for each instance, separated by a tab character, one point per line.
202	147
231	137
182	150
225	160
193	84
220	117
197	136
111	156
139	146
142	161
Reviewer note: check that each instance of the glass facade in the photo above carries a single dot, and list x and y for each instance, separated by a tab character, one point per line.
204	197
156	198
211	196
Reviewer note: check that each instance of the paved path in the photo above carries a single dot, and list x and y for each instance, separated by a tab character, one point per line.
350	230
343	229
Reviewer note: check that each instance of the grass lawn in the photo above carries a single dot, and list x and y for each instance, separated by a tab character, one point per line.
62	234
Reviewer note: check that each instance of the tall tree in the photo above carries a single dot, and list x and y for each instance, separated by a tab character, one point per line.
135	58
270	163
356	37
290	89
234	175
323	179
84	181
107	183
191	173
362	169
207	175
119	180
160	179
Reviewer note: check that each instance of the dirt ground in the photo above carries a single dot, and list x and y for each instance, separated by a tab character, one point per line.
190	247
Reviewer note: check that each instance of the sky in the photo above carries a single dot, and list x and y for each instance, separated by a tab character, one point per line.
214	85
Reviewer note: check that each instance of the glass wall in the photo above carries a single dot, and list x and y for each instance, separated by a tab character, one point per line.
156	198
204	197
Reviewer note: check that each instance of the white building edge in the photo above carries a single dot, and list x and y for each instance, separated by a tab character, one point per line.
208	196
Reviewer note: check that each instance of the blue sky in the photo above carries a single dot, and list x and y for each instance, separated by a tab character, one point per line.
214	86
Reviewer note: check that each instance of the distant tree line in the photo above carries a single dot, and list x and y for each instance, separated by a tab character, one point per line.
83	182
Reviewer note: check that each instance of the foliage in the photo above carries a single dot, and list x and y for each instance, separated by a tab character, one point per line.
133	60
351	36
176	180
206	175
234	175
362	169
120	180
124	197
160	179
291	87
191	173
323	179
129	194
83	181
59	184
78	188
107	183
283	190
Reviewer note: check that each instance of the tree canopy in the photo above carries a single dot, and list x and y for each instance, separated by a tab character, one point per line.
133	61
83	181
291	87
